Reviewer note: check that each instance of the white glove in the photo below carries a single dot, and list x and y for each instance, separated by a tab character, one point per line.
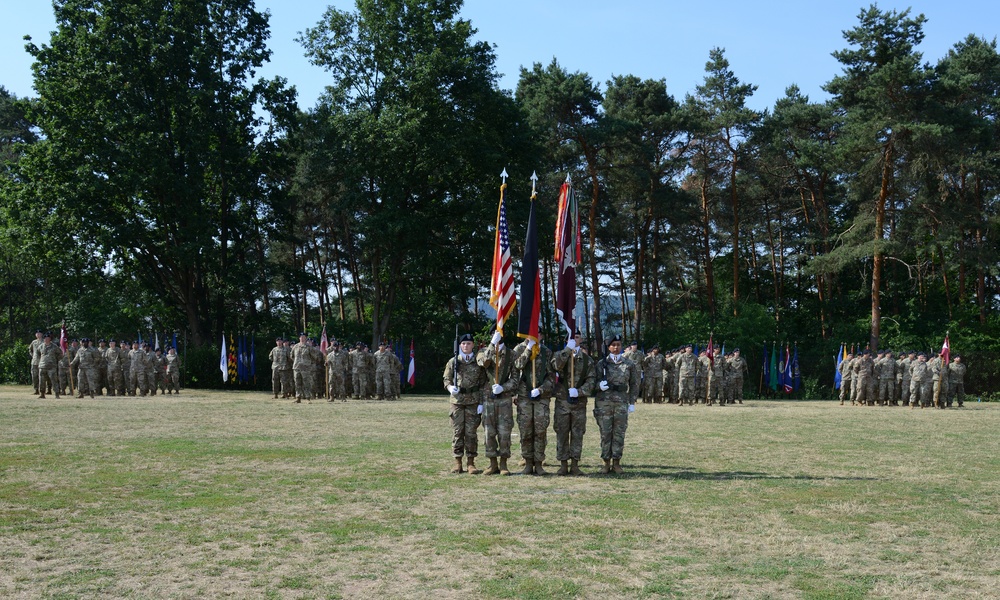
479	409
574	393
454	389
531	344
604	386
631	408
571	344
497	389
496	338
536	393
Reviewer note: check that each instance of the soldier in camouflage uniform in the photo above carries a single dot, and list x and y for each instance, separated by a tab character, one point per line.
618	389
864	379
717	379
846	375
921	385
86	361
280	369
137	383
173	371
47	356
159	372
465	380
669	381
535	383
302	359
701	378
385	370
32	347
116	377
64	373
498	403
652	379
939	379
686	367
736	367
357	372
632	352
576	381
886	370
151	368
903	376
956	381
336	366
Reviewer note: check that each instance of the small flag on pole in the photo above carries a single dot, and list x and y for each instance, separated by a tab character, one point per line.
223	360
946	350
837	377
411	372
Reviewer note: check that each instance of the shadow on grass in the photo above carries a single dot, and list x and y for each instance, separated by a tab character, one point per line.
688	473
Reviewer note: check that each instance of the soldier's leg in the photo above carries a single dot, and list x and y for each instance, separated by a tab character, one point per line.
618	430
490	419
904	392
604	415
541	424
577	428
472	422
960	393
561	425
35	377
526	429
457	415
276	382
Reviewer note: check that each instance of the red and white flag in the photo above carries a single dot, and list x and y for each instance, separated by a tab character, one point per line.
63	340
323	341
946	350
502	281
411	373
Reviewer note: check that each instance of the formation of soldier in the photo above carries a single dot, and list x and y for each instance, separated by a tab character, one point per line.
109	369
303	372
913	378
485	387
679	376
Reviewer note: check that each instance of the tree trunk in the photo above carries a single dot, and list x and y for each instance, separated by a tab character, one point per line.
878	259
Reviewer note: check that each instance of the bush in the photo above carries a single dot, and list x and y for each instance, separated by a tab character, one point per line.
15	366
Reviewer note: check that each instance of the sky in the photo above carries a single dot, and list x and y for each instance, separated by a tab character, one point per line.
770	44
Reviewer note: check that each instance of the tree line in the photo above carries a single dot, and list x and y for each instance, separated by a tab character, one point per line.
155	179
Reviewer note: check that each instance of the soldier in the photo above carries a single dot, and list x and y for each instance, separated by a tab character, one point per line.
397	369
577	378
618	389
903	376
864	379
652	366
846	373
701	377
686	366
32	347
102	367
64	372
886	370
280	371
302	358
46	358
172	363
498	407
632	352
124	349
939	377
357	372
86	361
159	372
465	380
669	382
151	368
920	382
336	368
116	378
736	368
535	383
74	369
385	370
956	381
137	360
716	378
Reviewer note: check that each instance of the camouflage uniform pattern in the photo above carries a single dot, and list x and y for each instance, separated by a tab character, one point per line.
86	360
921	385
571	413
498	410
172	363
116	377
611	406
846	377
302	359
470	378
956	382
47	356
736	368
864	379
336	368
686	367
652	380
138	382
387	367
533	413
281	370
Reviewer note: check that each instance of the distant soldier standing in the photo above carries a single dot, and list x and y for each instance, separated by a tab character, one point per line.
864	379
887	380
737	368
336	359
903	367
116	377
385	363
701	378
32	347
846	374
280	369
956	381
686	366
652	366
577	379
618	389
921	385
138	384
47	356
302	358
939	377
717	378
86	361
173	370
498	403
465	380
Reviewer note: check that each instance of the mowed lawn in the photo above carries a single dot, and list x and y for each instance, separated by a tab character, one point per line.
232	494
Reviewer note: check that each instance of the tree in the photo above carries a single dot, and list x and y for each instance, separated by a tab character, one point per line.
152	143
882	93
422	133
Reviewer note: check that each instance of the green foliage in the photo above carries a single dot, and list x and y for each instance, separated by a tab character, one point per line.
15	364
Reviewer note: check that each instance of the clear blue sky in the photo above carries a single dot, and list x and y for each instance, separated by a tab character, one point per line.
770	44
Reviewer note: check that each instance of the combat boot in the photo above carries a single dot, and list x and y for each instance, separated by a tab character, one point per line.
42	396
503	466
606	468
529	467
563	468
472	466
616	466
493	469
574	468
458	465
538	468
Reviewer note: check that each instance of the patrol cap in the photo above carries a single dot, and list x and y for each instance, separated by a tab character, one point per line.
466	337
47	334
611	340
919	354
301	333
42	331
956	356
655	347
736	349
867	352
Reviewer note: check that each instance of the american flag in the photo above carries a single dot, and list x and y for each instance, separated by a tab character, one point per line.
502	283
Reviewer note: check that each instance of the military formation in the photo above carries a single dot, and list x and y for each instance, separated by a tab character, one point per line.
680	376
487	385
108	369
912	378
303	372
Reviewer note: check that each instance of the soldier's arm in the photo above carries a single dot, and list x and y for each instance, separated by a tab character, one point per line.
449	373
559	359
486	357
633	384
548	383
589	380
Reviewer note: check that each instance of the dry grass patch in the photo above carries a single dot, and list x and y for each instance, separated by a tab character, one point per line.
214	494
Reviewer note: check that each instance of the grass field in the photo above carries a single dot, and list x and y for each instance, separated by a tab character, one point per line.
227	494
